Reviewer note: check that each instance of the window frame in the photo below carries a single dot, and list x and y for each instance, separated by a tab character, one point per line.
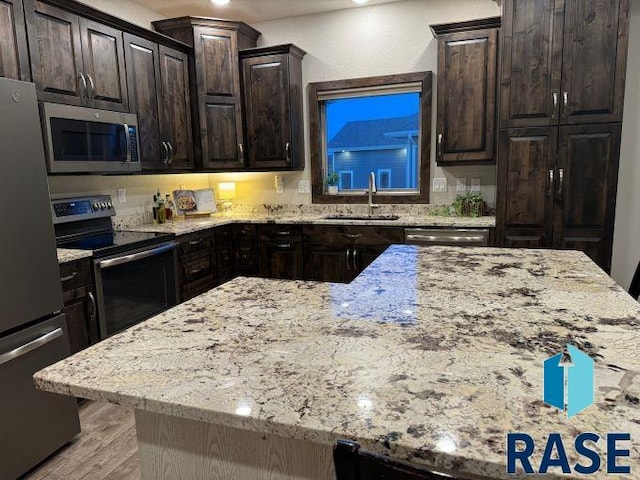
379	173
318	193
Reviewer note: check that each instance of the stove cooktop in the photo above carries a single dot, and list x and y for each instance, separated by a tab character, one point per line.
117	241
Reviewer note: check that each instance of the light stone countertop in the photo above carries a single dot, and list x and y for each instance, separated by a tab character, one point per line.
66	255
182	227
431	355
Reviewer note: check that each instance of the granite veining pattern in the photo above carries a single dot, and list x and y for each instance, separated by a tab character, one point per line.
66	255
431	355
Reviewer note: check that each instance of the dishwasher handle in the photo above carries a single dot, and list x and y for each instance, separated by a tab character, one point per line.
453	237
113	262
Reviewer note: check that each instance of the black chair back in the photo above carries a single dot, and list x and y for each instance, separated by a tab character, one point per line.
353	463
634	289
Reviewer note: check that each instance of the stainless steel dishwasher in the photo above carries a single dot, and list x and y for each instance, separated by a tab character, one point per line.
459	237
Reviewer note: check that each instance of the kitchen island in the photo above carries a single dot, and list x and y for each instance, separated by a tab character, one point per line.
432	355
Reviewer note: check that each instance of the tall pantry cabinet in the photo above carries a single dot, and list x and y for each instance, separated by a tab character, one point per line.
561	99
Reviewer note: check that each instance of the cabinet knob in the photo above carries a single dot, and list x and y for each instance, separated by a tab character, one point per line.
241	152
440	144
565	102
288	152
556	96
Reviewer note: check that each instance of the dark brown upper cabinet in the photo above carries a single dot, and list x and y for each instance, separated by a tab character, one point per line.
467	71
558	188
74	60
14	55
158	79
272	102
563	62
215	86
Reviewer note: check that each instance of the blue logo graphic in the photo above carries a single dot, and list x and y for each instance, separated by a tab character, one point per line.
569	387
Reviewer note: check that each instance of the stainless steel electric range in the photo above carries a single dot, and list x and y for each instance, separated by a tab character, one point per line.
135	272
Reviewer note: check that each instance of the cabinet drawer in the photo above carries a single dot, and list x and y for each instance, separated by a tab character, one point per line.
195	242
75	274
280	233
196	266
352	235
194	289
245	232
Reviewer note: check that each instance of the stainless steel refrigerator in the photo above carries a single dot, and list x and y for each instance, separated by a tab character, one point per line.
33	335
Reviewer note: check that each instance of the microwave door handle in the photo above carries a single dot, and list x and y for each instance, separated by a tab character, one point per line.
127	137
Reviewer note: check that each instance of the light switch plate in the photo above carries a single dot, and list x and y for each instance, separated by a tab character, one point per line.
304	186
461	184
439	184
475	184
122	195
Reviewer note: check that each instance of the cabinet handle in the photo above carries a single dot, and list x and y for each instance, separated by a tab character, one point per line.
550	191
92	93
241	150
170	152
283	245
561	183
287	151
69	277
439	153
195	271
165	155
355	259
283	233
352	236
94	307
348	259
565	101
196	242
83	94
555	104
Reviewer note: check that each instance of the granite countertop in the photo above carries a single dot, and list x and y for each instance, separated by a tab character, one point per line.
431	355
69	254
182	227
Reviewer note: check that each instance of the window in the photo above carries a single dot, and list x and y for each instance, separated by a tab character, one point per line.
384	178
377	124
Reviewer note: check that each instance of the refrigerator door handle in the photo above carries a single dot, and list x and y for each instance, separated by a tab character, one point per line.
32	345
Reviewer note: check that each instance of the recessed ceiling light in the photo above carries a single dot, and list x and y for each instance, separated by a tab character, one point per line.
359	1
220	2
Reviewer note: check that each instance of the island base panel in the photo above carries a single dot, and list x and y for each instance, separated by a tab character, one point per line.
171	447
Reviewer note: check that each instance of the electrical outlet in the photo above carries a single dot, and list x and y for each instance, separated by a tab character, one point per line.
122	195
279	184
475	184
461	184
439	184
304	186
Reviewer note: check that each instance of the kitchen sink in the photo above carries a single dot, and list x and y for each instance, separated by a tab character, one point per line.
362	217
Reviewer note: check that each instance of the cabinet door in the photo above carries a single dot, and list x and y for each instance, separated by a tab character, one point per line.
586	190
14	56
175	108
364	255
77	318
526	181
467	96
103	60
594	60
143	81
56	54
531	62
245	241
328	263
267	111
218	84
281	260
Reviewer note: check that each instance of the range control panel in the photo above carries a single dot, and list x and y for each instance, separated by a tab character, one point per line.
66	210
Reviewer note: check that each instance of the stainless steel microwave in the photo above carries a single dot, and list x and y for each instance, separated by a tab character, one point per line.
86	140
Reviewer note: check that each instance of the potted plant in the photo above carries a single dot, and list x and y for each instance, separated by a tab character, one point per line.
471	204
332	183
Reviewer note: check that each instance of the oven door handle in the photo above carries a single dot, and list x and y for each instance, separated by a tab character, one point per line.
113	262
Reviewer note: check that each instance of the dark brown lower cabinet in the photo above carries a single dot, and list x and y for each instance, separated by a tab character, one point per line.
339	253
281	251
196	264
224	253
79	304
245	247
557	188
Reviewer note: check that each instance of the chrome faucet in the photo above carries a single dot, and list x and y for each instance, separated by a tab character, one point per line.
372	189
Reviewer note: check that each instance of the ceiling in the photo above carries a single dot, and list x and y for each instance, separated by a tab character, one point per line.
251	10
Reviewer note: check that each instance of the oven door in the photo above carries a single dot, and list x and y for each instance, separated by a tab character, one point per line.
86	140
135	286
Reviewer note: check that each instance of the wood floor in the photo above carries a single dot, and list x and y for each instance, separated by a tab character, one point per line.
105	449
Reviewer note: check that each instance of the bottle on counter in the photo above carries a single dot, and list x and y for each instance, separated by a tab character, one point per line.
154	208
162	212
169	208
